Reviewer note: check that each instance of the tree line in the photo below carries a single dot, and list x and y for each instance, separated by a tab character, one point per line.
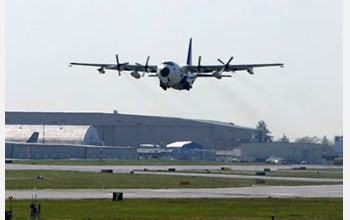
327	144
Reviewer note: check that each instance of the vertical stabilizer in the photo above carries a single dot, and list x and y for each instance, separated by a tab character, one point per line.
33	138
189	55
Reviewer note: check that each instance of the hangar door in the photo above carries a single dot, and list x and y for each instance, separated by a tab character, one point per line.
127	136
108	135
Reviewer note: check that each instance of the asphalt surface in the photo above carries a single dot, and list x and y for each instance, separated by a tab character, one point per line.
239	192
315	180
127	169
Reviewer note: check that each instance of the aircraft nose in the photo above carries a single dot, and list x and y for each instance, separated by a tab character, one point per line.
164	72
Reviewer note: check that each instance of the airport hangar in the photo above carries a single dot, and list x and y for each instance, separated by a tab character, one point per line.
128	130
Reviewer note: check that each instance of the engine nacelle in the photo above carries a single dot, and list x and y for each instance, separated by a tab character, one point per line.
135	74
101	70
217	74
250	71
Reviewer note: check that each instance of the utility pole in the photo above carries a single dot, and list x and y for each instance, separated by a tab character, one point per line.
43	133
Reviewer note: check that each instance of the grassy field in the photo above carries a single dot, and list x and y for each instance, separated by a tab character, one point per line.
319	173
186	209
27	179
127	162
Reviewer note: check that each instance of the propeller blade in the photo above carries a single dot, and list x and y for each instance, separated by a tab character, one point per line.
147	61
199	64
229	60
139	64
117	58
221	61
145	66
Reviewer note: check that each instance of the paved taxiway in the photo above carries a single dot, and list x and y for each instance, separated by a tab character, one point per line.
127	169
239	192
315	180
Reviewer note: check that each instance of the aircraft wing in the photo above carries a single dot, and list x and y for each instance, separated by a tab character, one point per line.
124	66
240	67
211	75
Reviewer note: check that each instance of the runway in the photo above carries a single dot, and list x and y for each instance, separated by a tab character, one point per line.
127	169
238	192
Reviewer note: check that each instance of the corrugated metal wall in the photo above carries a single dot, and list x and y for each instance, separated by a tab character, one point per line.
132	130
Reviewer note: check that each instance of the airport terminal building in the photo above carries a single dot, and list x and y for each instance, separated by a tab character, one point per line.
126	130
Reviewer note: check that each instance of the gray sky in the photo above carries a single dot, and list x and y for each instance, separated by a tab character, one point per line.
304	98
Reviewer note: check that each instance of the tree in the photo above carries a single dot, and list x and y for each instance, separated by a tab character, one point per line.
262	126
307	140
284	139
327	145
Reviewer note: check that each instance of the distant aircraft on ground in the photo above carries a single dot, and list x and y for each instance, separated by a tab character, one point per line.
173	75
33	138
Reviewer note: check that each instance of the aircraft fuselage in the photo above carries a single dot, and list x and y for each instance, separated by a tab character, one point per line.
172	75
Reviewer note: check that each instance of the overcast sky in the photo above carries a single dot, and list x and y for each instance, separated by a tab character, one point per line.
304	98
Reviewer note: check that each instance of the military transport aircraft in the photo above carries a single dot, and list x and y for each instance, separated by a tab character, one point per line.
173	75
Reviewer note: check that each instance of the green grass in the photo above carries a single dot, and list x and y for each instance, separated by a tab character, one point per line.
55	179
186	209
320	173
127	162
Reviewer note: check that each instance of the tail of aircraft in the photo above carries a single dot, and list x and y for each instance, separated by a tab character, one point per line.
189	54
33	138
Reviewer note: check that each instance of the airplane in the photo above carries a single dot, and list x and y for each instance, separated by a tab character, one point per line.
173	75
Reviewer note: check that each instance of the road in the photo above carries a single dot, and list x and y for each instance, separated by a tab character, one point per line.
239	192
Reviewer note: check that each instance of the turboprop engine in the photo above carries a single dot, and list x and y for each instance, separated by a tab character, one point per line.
217	74
135	74
250	71
101	70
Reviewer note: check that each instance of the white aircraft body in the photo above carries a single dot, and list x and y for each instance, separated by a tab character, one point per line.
173	75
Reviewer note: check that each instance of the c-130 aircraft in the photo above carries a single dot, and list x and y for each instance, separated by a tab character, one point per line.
173	75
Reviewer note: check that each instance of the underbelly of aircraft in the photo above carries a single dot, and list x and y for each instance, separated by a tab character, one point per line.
178	86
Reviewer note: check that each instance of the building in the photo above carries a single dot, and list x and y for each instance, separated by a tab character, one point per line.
66	151
116	129
291	152
338	142
184	145
53	134
189	150
60	142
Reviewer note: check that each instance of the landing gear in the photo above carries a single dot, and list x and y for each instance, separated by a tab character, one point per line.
163	86
188	86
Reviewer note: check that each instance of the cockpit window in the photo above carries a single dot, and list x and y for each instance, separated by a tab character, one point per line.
169	63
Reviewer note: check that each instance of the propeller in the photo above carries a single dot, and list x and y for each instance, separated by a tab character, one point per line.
146	67
199	64
227	65
119	65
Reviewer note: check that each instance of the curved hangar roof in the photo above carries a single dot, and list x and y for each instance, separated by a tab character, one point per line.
54	134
